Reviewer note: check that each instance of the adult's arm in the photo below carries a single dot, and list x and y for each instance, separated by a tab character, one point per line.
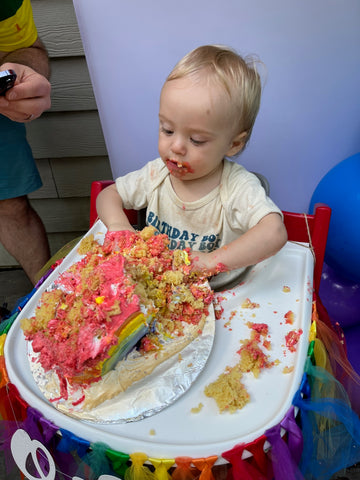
35	57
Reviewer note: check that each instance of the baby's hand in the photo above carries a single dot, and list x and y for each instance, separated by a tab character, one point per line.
118	240
204	264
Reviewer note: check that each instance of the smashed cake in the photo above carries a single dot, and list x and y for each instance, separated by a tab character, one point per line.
133	287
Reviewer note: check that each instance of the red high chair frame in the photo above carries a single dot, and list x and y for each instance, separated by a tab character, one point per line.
299	226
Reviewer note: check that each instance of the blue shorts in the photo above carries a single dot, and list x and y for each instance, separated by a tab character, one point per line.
18	172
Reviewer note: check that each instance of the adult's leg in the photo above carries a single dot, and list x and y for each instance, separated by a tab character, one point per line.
23	235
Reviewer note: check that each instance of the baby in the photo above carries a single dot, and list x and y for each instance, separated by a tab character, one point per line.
194	193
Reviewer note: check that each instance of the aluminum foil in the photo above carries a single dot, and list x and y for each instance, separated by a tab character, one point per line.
144	398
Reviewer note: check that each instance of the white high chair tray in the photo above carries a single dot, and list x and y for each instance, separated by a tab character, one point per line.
175	430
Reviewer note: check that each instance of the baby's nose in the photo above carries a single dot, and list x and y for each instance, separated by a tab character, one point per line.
178	146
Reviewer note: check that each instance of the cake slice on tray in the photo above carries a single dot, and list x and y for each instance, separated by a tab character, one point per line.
130	295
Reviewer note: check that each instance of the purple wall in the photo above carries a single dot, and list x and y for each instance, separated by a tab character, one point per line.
310	115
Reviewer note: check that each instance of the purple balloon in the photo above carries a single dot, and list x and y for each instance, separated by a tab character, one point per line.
341	297
352	337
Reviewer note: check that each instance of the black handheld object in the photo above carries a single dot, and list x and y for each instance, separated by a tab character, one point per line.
7	80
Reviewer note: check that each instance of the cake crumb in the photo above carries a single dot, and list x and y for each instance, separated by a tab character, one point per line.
288	369
292	339
152	432
197	409
253	359
87	244
228	391
289	317
247	303
218	308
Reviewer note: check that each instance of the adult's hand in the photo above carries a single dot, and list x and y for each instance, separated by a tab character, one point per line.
29	97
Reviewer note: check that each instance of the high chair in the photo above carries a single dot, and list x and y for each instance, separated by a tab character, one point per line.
301	227
312	229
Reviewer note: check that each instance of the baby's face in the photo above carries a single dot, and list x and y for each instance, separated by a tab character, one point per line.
196	127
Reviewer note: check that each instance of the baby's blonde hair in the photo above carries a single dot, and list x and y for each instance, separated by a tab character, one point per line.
237	75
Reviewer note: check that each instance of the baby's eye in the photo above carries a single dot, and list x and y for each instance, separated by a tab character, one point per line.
197	142
166	131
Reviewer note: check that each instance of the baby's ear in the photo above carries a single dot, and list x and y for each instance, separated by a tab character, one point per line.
237	144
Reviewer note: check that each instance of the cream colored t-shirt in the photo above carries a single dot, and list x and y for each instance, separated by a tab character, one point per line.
228	211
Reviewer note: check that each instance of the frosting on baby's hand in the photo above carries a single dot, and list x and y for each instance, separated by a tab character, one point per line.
118	240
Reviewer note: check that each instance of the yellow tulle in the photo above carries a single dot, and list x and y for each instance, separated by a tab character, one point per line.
137	470
312	333
2	343
321	356
328	352
161	467
337	363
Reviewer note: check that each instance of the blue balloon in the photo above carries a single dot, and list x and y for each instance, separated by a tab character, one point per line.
340	189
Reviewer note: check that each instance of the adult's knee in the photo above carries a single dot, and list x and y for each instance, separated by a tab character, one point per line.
14	207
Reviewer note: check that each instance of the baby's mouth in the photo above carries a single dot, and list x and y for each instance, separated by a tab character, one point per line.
175	166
